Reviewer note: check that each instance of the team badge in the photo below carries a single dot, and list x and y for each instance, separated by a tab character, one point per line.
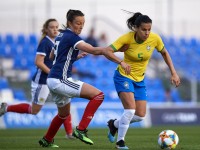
126	85
148	48
41	100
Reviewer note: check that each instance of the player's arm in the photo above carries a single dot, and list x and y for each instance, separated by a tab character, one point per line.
108	52
52	55
81	55
174	78
39	62
124	48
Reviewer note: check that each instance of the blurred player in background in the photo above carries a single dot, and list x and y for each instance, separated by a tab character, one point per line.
63	87
131	88
39	88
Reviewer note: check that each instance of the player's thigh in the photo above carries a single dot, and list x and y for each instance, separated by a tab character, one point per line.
140	107
127	99
88	91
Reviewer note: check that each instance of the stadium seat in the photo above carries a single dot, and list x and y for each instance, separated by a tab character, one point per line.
33	39
19	95
6	95
21	63
21	39
3	83
9	39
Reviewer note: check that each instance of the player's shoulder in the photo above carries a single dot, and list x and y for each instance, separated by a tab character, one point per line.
154	35
129	34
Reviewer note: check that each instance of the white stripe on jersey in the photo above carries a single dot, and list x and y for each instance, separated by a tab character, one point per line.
67	63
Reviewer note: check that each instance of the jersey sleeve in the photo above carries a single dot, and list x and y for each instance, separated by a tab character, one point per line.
124	39
42	48
160	44
75	40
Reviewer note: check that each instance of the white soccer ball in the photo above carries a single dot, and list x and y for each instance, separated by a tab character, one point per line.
168	139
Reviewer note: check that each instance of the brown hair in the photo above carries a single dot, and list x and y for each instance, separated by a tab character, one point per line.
45	26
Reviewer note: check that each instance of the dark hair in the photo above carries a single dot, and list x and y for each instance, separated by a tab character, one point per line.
70	16
136	20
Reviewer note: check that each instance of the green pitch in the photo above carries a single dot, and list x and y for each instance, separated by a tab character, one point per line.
136	139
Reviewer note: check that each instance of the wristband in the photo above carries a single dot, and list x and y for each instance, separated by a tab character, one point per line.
120	62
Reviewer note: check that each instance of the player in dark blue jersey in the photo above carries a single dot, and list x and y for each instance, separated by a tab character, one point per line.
63	87
39	88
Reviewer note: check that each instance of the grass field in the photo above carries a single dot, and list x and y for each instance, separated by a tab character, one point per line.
136	139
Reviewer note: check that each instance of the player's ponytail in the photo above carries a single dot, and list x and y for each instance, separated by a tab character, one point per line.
136	20
131	22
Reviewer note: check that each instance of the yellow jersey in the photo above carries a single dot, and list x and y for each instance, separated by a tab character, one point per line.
138	54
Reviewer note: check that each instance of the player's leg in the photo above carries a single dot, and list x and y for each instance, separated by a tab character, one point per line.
68	127
63	105
58	120
39	95
140	111
128	102
96	98
140	100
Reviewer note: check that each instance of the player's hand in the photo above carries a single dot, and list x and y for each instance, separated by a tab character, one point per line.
81	55
126	67
175	80
124	48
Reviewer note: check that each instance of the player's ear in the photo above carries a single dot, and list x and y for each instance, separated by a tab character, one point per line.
135	29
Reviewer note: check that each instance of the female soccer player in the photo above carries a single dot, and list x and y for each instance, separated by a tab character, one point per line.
131	87
39	87
63	87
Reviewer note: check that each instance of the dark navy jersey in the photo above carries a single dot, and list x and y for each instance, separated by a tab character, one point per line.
44	48
65	54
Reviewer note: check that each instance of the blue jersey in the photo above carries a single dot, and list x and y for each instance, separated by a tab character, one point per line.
44	48
65	54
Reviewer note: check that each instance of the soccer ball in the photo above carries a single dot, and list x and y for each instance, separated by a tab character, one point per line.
168	139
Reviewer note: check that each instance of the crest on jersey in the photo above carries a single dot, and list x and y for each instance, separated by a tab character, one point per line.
148	47
126	85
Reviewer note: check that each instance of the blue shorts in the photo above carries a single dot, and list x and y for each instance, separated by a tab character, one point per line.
124	84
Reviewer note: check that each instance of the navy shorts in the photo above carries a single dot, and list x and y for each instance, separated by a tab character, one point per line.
124	84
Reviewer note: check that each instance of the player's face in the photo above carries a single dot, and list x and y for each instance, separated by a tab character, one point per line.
52	29
77	24
143	31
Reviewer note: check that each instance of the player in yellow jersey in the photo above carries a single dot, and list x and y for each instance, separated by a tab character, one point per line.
131	87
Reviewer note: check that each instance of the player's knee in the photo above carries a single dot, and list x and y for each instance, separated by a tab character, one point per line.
35	111
137	118
99	96
129	113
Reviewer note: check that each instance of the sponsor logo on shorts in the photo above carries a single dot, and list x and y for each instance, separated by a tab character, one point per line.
41	100
126	85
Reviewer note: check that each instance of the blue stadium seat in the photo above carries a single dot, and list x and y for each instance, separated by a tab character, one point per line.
9	39
19	95
21	39
3	83
33	39
20	63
